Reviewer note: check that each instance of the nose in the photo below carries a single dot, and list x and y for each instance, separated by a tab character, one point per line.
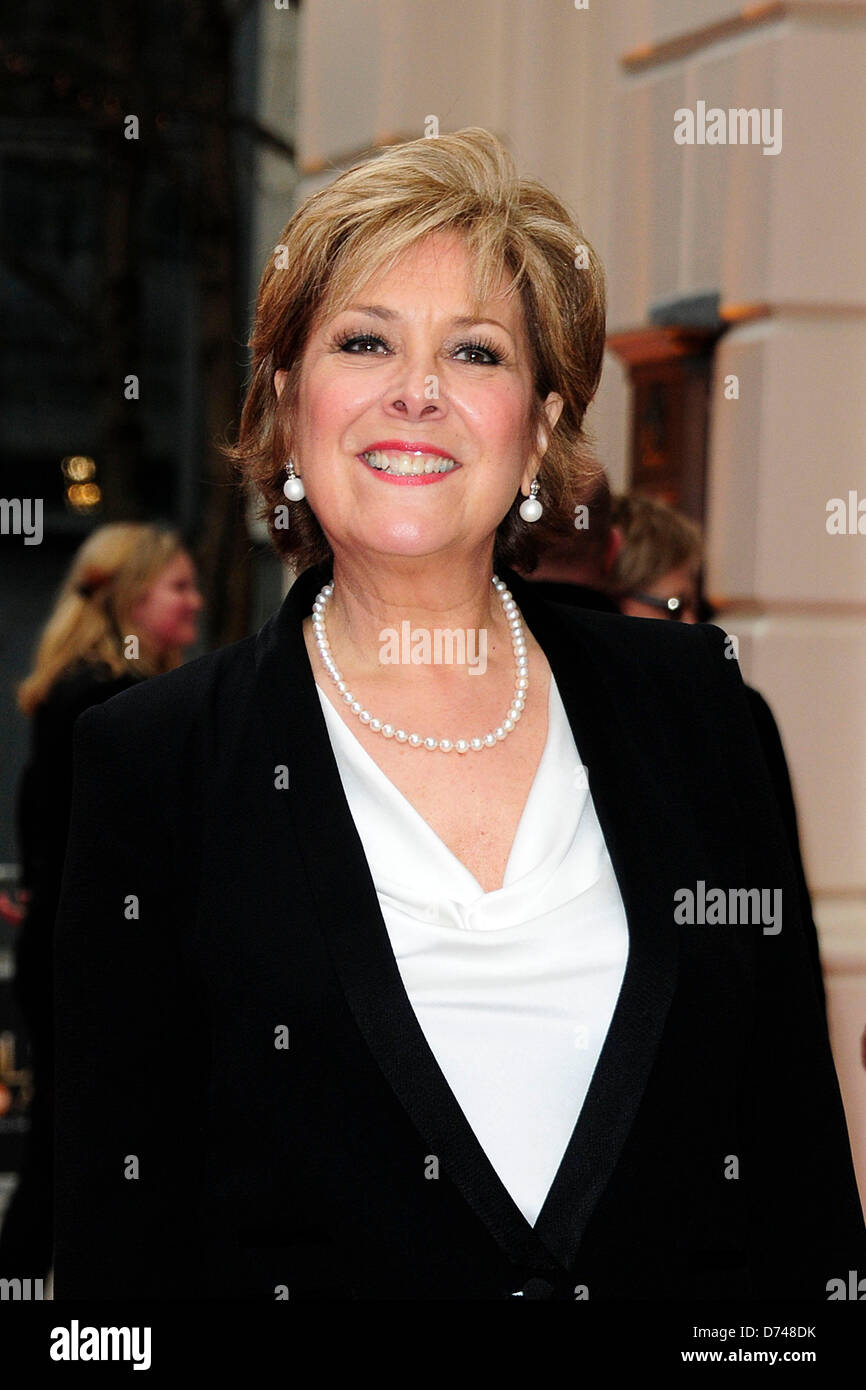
414	394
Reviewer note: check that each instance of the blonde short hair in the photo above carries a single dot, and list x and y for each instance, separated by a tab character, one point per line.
359	225
655	540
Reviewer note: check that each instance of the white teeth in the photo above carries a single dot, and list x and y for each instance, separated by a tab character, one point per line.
405	464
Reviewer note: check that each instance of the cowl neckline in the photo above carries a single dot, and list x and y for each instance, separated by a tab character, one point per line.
557	850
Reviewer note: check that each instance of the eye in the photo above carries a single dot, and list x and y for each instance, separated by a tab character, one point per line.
489	351
361	344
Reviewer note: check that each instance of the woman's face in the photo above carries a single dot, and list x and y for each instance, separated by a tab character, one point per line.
408	367
166	614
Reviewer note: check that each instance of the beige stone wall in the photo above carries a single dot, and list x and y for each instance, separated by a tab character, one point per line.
586	100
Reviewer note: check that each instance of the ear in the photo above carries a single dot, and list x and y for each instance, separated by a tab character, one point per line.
280	378
614	545
552	409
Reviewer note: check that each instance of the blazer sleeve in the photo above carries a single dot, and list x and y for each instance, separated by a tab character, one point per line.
128	1035
777	766
796	1169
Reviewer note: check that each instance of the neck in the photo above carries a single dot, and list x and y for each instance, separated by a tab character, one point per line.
373	597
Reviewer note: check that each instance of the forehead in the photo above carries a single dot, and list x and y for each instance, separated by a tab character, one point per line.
179	564
441	267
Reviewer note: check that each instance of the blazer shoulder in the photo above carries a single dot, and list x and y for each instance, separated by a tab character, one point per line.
655	645
158	715
645	663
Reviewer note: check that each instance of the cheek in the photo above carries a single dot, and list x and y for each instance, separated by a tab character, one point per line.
330	405
167	611
500	418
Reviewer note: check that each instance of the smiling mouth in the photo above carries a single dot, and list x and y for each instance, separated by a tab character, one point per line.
408	465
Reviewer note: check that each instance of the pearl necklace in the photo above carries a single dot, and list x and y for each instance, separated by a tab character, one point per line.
445	745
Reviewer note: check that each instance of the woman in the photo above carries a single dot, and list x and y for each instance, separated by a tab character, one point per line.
405	1011
655	572
126	610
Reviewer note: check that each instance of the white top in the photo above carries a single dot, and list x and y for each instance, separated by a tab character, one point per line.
514	990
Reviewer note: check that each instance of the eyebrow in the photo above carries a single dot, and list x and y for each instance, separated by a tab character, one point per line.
379	311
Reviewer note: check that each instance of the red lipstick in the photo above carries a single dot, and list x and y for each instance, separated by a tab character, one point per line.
406	447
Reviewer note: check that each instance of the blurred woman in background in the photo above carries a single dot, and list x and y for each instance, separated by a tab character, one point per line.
657	566
127	610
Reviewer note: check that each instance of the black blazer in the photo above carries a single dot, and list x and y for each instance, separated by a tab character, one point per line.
207	908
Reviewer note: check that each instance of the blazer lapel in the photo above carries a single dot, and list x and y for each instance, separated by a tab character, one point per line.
355	931
640	832
627	802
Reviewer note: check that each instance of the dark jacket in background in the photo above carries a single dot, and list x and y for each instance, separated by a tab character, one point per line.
42	815
582	595
43	810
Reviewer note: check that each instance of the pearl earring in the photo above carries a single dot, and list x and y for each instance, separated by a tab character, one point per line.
293	487
531	509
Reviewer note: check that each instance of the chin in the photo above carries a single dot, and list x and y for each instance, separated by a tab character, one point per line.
409	542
